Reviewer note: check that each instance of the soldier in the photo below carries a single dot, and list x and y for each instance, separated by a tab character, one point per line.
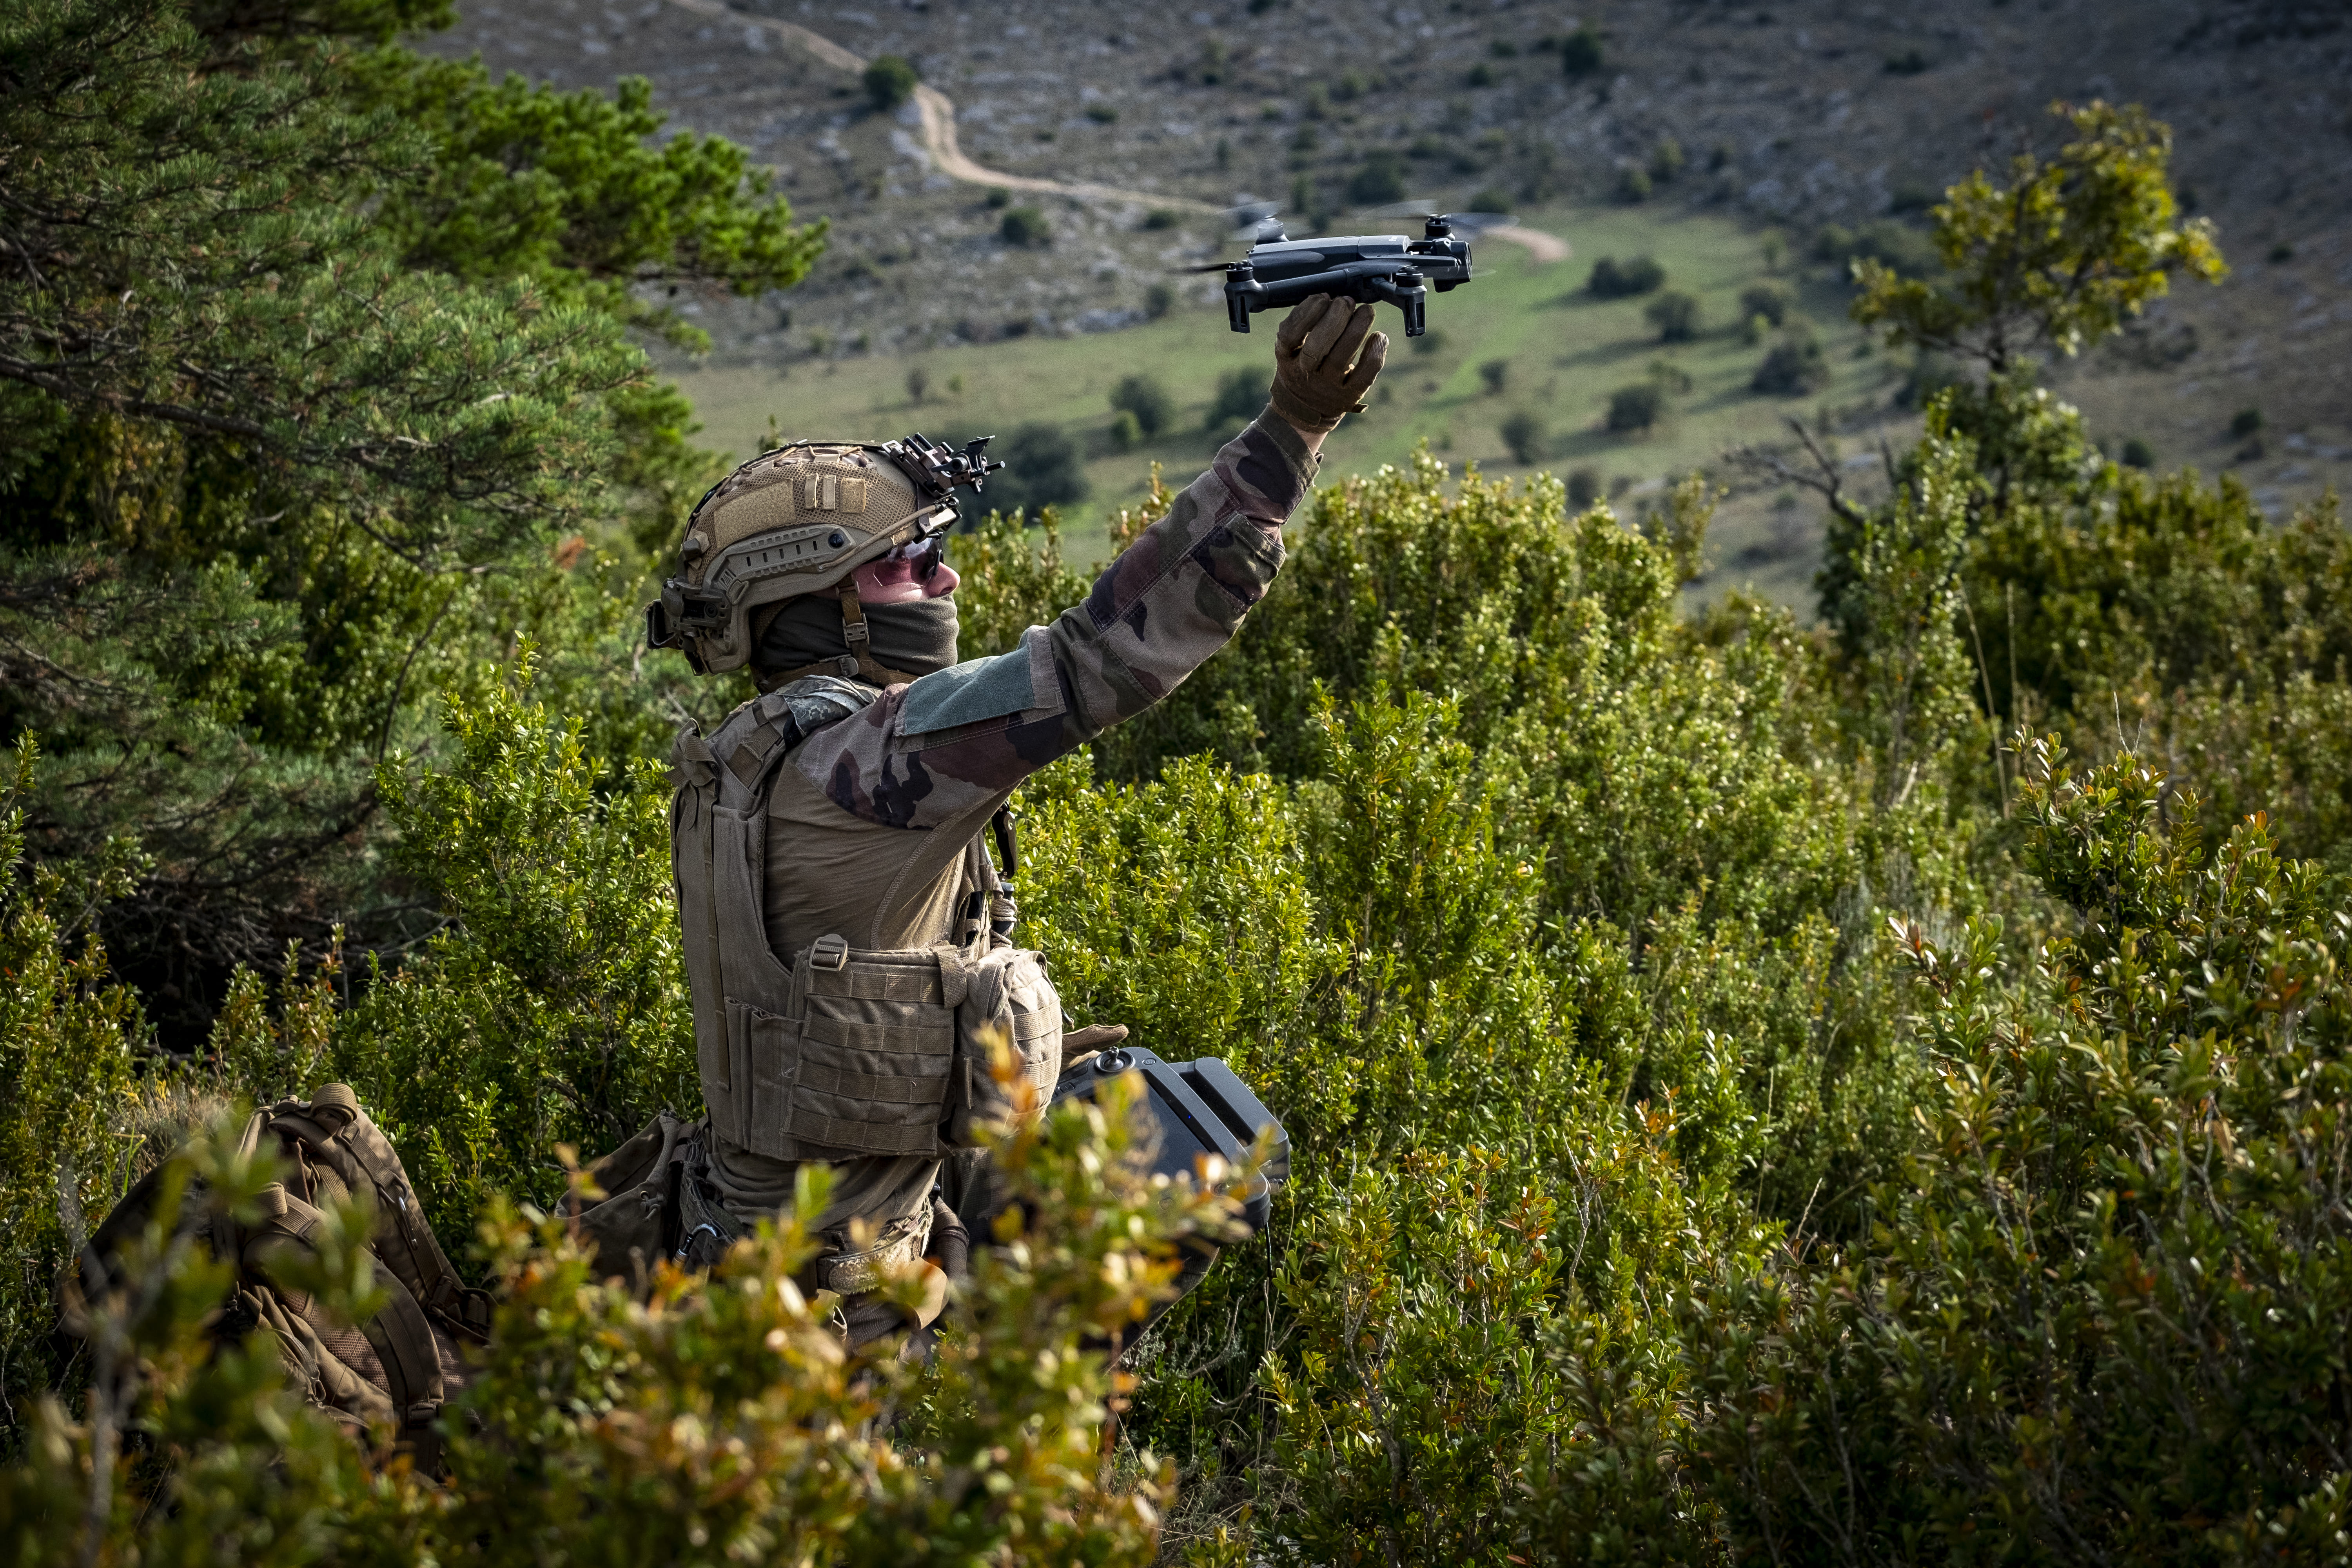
845	926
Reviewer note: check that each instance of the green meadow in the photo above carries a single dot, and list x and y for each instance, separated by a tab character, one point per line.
1564	353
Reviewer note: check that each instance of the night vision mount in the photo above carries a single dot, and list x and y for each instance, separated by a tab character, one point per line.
936	469
1374	268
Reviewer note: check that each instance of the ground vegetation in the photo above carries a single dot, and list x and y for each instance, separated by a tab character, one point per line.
1872	1094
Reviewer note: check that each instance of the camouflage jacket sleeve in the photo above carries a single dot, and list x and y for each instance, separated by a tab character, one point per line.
931	753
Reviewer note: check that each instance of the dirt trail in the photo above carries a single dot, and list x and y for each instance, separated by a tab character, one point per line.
938	114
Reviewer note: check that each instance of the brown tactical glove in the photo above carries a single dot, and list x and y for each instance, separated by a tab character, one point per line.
1314	351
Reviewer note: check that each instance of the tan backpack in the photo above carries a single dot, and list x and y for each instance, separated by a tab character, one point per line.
401	1365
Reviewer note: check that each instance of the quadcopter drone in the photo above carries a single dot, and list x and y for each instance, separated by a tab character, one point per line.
1280	271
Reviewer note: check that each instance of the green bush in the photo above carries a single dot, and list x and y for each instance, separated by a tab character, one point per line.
1044	466
1633	409
2245	422
1527	435
1633	184
1675	314
1379	180
1024	228
889	82
1163	217
1769	300
1583	487
1495	373
1612	281
1143	397
1240	395
1125	432
1794	367
1666	161
1580	53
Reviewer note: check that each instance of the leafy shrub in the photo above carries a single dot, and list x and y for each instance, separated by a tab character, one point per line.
723	1408
1908	62
1159	299
1580	53
1526	435
1044	466
1163	217
1666	161
1126	434
1583	487
1610	280
1929	374
889	82
1633	184
1491	199
1381	179
1144	398
1795	366
2245	422
1636	408
997	197
1901	249
1769	300
1495	373
1022	228
1480	75
1240	395
919	382
1675	314
2138	453
1103	114
1432	341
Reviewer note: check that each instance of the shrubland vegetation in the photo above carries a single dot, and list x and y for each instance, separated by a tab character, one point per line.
1871	1094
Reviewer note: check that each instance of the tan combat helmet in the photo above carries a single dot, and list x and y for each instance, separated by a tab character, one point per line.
800	520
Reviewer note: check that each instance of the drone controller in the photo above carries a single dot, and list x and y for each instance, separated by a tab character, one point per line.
1373	269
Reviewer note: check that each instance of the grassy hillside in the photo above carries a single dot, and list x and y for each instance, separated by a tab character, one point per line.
1565	352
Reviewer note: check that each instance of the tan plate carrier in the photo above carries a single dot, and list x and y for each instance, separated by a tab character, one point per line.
842	1052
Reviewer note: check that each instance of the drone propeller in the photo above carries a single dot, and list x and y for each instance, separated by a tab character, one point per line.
1248	219
1467	225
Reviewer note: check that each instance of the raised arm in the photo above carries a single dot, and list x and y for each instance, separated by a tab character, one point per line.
937	751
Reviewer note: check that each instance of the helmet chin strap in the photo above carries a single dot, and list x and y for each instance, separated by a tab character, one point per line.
858	663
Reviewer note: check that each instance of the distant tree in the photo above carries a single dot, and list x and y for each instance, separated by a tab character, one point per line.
1613	280
1495	373
1580	53
1144	397
1380	180
1769	300
2073	245
1023	228
919	382
1527	435
1632	409
1675	314
1241	393
1794	366
889	82
1042	466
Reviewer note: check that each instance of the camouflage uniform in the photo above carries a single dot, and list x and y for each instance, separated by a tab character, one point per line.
872	817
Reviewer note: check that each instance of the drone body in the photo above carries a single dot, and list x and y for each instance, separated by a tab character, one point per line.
1279	271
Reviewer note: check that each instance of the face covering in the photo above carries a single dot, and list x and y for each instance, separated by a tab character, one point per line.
913	639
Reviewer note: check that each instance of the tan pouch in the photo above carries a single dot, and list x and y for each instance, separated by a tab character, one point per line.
1008	998
877	1039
